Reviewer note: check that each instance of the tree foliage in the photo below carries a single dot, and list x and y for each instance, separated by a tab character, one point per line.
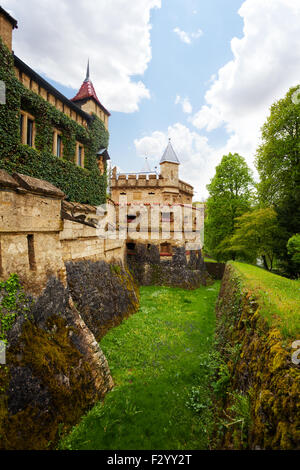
278	165
278	158
230	193
256	236
293	247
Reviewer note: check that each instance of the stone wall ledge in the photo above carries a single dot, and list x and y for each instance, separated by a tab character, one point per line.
38	186
23	183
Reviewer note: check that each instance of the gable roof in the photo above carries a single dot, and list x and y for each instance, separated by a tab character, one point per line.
169	155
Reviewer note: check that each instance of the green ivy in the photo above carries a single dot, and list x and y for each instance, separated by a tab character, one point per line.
85	185
12	304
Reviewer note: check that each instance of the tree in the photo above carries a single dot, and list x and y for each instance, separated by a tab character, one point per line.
278	164
293	248
230	193
256	236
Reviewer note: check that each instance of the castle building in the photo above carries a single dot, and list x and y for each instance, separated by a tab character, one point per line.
151	187
79	109
64	141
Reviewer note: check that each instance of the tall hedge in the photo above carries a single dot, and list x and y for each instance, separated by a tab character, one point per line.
85	185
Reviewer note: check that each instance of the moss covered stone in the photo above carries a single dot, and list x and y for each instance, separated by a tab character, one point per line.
54	372
263	370
149	269
104	294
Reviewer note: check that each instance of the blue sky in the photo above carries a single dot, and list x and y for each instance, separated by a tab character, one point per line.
204	73
176	68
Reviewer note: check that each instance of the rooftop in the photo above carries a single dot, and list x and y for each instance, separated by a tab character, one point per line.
41	81
8	17
87	91
169	155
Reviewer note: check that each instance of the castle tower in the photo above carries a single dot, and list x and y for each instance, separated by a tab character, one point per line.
88	100
169	170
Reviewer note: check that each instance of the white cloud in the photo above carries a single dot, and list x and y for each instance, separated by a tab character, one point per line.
151	146
197	158
185	103
56	38
265	65
208	118
187	37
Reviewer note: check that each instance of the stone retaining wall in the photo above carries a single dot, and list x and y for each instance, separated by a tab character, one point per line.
149	268
260	366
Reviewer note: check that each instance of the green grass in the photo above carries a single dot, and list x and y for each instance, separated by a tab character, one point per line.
160	361
279	297
209	260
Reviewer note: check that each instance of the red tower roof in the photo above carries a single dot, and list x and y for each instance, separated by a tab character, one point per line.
87	91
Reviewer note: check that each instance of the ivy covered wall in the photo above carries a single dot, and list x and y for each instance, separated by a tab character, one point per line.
85	185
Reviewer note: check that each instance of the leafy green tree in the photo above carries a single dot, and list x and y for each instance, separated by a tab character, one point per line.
293	248
256	236
230	195
278	164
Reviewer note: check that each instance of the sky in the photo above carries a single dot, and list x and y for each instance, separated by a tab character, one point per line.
203	73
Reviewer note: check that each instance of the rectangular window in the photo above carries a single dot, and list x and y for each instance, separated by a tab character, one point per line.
29	132
27	129
58	146
21	126
79	155
166	217
31	254
165	249
137	196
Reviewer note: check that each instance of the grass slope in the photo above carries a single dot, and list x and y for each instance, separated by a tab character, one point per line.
159	359
279	297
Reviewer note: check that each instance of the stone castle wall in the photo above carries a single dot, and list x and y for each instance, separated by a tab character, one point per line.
36	240
175	270
73	288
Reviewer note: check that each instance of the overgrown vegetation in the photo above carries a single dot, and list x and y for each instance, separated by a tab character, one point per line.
13	302
256	326
279	297
163	364
84	185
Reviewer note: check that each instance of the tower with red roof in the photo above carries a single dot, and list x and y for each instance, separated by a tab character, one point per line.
88	101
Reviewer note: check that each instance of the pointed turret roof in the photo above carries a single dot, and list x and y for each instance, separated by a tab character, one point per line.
87	91
169	155
146	168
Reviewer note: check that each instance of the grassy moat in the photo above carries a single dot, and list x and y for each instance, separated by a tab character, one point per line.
160	359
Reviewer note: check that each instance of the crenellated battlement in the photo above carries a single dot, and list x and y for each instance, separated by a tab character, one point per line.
150	187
